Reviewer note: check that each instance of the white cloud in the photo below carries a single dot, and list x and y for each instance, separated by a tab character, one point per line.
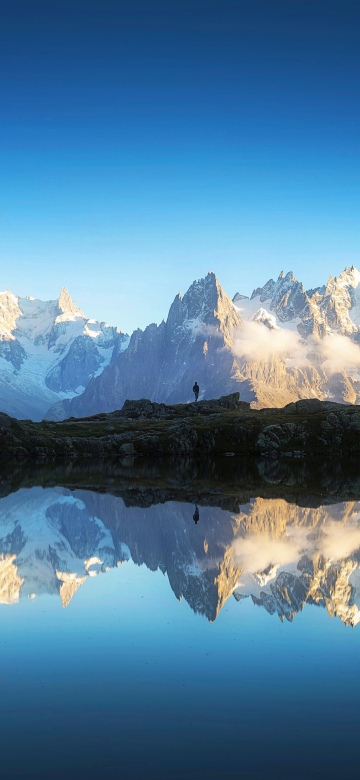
254	341
338	353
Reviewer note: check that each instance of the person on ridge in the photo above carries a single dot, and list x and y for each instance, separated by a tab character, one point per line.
196	515
196	390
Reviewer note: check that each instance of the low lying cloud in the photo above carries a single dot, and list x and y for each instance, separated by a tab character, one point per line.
208	331
254	341
338	353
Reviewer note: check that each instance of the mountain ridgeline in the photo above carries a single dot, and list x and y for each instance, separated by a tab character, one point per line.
282	344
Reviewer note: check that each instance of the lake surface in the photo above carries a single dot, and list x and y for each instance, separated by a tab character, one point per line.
178	640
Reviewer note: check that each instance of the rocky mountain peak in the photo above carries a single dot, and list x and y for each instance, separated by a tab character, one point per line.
349	277
205	302
67	308
267	291
238	297
286	297
9	313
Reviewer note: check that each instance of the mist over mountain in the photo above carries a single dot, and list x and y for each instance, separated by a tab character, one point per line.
281	344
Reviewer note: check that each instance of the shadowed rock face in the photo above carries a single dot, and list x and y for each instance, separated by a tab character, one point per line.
280	554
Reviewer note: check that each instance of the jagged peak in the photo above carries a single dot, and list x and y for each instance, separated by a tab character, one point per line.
239	297
8	294
67	307
349	277
204	299
264	292
290	277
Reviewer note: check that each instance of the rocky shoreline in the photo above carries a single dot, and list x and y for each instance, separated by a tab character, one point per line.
226	426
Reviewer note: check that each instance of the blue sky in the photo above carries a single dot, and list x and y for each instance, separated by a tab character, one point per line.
145	143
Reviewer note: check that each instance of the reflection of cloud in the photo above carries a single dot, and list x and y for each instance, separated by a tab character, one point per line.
256	553
254	341
339	541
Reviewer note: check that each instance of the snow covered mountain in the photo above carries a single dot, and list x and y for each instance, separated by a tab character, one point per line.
335	307
280	345
49	350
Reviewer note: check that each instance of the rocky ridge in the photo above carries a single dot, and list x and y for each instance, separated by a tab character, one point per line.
225	426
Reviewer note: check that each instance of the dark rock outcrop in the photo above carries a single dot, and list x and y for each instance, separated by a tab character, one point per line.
225	426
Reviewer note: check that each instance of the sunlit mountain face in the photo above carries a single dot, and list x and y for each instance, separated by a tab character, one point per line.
273	552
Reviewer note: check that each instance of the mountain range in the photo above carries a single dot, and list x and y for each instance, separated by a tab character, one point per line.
281	344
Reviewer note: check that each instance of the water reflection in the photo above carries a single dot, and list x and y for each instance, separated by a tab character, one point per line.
272	551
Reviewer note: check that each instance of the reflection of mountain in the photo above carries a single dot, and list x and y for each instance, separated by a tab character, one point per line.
292	555
48	544
280	554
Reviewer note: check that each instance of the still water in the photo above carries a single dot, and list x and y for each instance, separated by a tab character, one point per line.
177	640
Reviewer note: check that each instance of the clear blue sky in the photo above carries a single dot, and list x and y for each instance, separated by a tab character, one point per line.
145	143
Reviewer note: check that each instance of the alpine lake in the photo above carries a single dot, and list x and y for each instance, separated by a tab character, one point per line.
180	619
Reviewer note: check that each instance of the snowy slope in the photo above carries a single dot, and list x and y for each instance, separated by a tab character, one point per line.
49	350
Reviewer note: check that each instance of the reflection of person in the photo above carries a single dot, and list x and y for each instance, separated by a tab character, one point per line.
196	390
196	514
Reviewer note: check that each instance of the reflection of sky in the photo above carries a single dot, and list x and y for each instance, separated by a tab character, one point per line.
129	681
172	138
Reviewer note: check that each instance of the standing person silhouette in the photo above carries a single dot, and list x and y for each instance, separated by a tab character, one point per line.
196	390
